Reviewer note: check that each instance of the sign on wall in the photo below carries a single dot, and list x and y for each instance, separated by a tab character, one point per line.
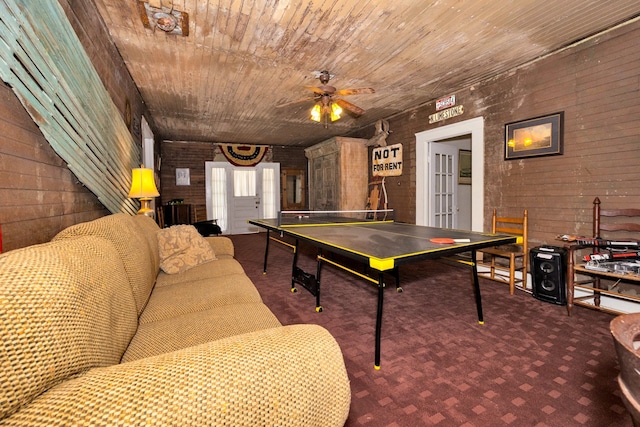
446	114
446	102
387	161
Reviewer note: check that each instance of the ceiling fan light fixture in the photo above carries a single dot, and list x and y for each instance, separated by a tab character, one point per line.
336	111
316	113
325	109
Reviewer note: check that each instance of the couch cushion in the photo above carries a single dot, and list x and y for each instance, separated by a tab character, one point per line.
221	245
200	327
150	230
65	306
132	246
181	247
290	376
199	295
223	266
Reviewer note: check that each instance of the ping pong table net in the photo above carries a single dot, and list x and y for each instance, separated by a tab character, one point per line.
330	217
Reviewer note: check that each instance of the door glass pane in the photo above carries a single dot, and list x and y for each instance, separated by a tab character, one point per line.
244	183
269	193
219	196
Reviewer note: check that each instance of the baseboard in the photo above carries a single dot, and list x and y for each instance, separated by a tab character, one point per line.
505	273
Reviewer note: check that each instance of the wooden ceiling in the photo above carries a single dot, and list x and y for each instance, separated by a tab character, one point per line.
243	57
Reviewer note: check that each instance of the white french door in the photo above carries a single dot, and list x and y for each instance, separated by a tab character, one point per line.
473	127
443	185
237	194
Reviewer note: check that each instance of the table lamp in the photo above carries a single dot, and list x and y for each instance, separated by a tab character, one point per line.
143	187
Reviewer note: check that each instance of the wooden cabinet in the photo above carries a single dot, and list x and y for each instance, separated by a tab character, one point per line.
338	174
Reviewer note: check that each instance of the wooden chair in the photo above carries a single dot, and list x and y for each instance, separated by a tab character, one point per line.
516	254
160	216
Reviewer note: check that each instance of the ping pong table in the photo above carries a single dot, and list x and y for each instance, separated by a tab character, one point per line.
381	245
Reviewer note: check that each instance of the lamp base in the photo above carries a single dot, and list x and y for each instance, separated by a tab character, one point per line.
145	209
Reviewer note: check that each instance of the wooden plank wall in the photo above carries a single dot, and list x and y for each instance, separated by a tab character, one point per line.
597	85
93	35
39	196
190	155
193	155
56	84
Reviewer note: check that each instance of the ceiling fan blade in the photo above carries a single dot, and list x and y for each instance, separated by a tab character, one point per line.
354	109
310	98
317	90
358	91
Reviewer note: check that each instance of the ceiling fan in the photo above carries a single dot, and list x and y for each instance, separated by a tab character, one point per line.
328	106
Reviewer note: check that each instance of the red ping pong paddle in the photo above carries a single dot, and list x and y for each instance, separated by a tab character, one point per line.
447	240
444	240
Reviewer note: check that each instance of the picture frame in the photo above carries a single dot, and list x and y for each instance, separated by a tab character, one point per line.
464	167
183	176
539	136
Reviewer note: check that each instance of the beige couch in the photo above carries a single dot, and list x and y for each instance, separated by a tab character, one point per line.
94	333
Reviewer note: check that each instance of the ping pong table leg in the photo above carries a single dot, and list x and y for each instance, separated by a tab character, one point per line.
396	273
476	288
379	319
319	259
266	254
293	268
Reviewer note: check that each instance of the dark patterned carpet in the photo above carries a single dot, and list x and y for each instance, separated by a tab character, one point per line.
528	365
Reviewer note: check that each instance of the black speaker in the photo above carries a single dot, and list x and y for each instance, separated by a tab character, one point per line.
549	274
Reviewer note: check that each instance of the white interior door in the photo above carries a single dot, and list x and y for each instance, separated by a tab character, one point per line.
244	208
245	199
238	194
443	184
473	127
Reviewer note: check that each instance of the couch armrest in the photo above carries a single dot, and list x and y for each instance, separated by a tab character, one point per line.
286	376
221	245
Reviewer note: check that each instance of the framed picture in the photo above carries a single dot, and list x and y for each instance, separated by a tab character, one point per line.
182	176
540	136
464	167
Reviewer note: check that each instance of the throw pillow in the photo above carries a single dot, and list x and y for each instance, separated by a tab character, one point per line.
181	247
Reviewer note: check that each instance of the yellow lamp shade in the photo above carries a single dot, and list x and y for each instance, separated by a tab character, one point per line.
335	112
143	184
316	113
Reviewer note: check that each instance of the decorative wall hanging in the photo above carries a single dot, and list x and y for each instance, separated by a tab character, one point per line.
183	177
540	136
243	155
